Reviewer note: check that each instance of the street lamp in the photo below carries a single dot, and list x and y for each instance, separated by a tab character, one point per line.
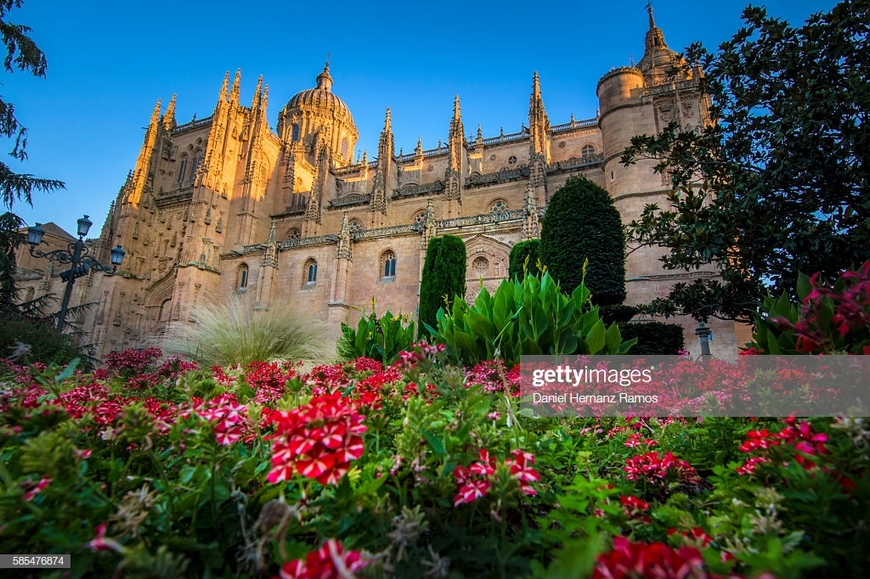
76	255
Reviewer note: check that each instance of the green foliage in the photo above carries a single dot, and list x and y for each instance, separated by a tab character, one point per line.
617	313
524	258
140	482
381	338
525	317
784	172
443	277
237	334
10	238
21	54
30	339
829	318
583	224
654	338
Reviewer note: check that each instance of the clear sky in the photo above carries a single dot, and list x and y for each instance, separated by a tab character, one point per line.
109	61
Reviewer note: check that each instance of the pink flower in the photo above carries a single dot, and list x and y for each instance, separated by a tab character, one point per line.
628	560
35	489
331	561
319	439
101	543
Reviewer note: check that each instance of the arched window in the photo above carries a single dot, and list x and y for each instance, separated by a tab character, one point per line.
587	150
182	169
197	160
294	133
344	148
388	264
242	277
310	271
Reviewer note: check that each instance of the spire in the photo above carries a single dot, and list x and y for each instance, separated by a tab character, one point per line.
234	94
649	9
222	97
265	102
388	121
143	163
456	137
169	117
539	123
257	93
155	115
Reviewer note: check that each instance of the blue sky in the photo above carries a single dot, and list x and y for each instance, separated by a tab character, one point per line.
109	62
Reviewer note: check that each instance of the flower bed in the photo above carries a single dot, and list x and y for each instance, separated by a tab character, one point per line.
421	469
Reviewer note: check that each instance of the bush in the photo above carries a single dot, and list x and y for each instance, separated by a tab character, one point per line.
443	276
526	317
529	249
30	339
583	224
654	338
381	339
617	313
235	334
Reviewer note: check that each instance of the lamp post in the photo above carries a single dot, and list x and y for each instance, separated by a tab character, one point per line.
76	255
704	333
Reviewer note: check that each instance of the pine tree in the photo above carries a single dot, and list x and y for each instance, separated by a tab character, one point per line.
443	277
582	222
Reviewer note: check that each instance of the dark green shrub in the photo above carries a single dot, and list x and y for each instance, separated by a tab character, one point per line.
526	317
582	223
35	340
617	313
530	249
654	338
443	277
379	338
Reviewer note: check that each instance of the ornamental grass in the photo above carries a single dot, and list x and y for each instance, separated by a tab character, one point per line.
238	334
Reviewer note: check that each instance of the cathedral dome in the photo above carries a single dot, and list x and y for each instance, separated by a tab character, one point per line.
318	114
320	100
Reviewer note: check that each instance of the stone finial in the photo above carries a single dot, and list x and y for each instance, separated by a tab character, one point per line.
169	117
456	113
223	95
479	133
388	123
418	150
257	93
649	9
155	114
234	93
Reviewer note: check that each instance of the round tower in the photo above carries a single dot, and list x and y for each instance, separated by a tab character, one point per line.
624	114
317	115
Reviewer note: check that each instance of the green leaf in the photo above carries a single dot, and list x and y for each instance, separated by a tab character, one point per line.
436	443
595	339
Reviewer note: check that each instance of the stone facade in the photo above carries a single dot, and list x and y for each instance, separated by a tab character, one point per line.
225	208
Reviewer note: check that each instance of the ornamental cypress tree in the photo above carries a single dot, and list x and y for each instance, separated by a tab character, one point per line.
581	223
443	277
530	248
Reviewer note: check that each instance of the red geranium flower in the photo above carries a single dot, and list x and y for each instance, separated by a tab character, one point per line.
319	440
330	561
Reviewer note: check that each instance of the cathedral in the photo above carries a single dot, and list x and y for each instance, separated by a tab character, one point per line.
225	207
